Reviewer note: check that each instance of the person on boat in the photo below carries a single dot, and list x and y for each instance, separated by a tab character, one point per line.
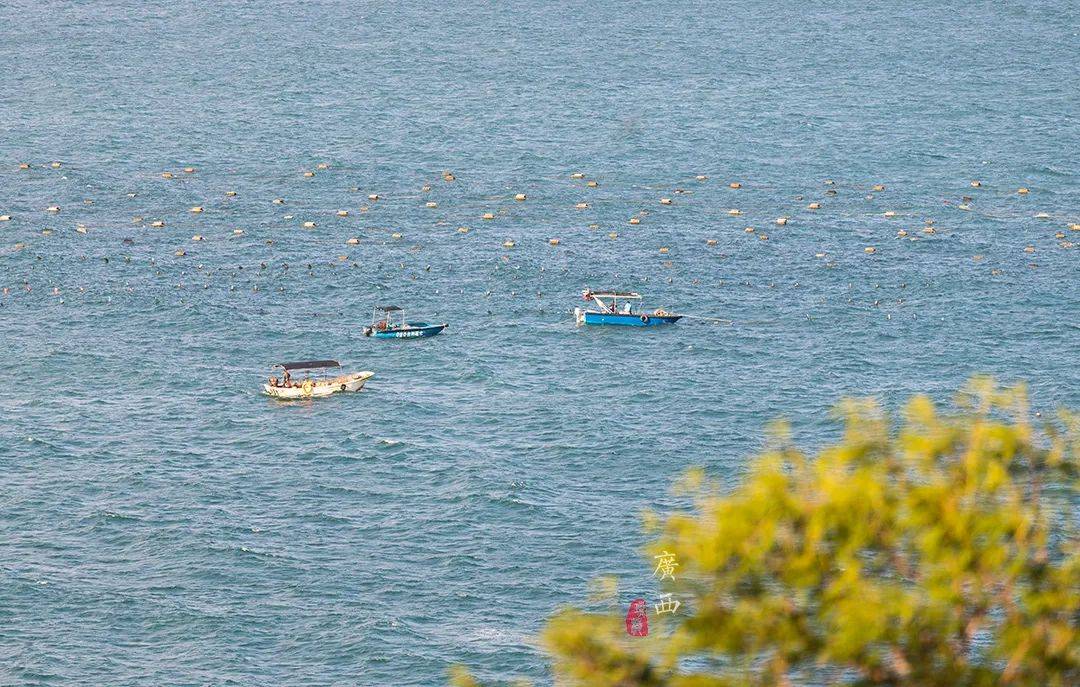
273	381
286	380
626	309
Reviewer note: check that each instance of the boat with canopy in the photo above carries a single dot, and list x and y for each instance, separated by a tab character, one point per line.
607	310
319	378
388	322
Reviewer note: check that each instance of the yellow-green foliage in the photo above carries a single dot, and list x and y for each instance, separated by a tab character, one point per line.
942	552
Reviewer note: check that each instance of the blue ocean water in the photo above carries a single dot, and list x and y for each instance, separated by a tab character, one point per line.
161	522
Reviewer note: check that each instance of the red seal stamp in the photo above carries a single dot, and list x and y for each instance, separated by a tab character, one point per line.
637	622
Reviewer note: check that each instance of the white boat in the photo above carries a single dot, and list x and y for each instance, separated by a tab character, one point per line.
316	382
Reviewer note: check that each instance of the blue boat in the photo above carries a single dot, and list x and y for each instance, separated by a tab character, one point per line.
608	311
388	322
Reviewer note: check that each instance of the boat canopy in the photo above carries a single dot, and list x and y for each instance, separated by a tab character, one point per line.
388	308
613	294
309	364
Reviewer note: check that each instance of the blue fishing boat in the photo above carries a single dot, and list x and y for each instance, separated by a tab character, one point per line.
388	322
608	311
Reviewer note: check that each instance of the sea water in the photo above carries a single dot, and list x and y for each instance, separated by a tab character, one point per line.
162	522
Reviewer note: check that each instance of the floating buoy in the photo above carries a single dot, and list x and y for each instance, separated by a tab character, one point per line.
591	184
665	201
733	212
353	242
180	253
664	250
902	233
577	175
819	255
734	184
582	206
878	187
431	204
309	225
710	242
166	175
287	216
813	206
342	213
157	224
322	165
53	208
520	197
463	230
890	213
373	197
230	194
1059	235
553	242
189	170
1074	227
197	209
5	218
1029	249
749	230
701	177
309	174
635	220
963	206
448	176
238	232
613	235
46	232
396	235
55	165
488	215
82	230
508	244
869	249
1042	215
781	220
279	201
1023	191
197	237
976	184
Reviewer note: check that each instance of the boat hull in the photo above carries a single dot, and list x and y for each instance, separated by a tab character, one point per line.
411	331
349	382
623	320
